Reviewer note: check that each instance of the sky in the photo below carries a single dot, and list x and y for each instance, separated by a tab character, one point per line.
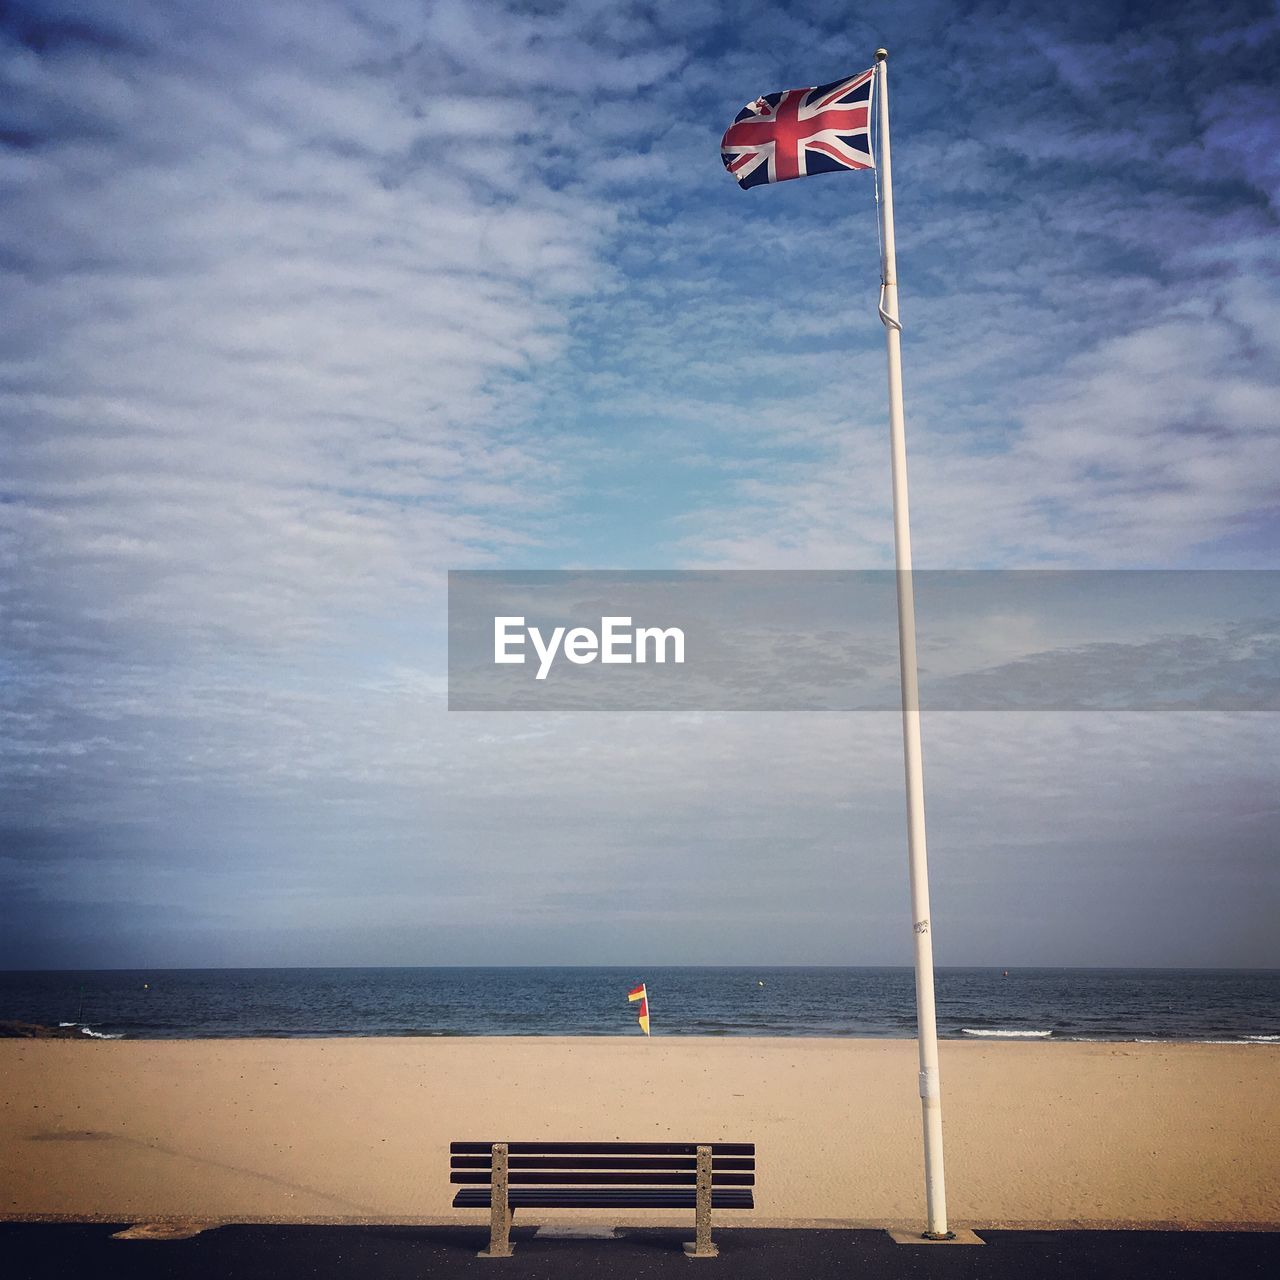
306	304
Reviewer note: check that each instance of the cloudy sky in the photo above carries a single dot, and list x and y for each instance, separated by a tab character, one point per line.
305	304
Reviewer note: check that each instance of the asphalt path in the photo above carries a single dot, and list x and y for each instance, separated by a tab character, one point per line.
65	1251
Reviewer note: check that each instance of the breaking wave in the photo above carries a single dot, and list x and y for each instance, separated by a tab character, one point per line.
1001	1033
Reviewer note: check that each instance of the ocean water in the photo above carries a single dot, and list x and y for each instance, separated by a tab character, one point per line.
1043	1004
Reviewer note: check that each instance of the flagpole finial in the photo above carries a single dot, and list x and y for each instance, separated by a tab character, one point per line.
881	54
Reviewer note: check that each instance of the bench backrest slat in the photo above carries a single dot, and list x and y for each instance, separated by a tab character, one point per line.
742	1164
525	1177
604	1148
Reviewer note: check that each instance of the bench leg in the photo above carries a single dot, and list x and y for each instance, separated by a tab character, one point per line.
701	1246
499	1207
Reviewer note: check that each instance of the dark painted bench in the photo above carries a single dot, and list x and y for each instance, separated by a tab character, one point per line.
505	1176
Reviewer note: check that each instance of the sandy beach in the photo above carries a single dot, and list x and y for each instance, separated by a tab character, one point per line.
358	1130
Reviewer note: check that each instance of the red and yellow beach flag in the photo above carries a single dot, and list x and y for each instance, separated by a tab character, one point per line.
643	996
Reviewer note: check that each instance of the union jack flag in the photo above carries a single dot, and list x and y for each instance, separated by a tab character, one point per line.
801	131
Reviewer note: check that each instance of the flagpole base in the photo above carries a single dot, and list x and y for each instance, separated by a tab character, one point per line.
961	1236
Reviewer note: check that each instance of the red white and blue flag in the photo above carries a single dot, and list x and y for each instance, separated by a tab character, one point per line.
799	132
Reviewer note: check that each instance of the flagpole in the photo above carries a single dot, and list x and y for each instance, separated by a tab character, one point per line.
926	1017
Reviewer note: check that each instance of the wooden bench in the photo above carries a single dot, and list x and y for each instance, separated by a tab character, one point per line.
505	1176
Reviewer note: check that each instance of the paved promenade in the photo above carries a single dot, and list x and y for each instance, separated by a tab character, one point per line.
42	1251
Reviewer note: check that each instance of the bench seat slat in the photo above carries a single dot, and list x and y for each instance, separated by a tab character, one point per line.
604	1148
604	1198
742	1164
525	1177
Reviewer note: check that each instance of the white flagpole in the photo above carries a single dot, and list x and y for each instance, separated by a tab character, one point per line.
926	1017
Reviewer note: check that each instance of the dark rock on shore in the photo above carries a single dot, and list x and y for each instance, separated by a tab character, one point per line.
35	1031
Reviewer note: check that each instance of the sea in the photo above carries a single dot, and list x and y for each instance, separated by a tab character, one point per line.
1208	1005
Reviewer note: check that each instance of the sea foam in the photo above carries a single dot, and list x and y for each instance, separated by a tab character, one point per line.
1002	1034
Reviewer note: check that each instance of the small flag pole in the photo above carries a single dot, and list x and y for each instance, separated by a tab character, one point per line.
926	1016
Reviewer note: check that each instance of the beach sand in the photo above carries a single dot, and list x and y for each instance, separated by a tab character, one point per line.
358	1130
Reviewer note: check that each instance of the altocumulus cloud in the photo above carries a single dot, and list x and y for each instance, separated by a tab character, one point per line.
306	303
268	334
1086	225
276	280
